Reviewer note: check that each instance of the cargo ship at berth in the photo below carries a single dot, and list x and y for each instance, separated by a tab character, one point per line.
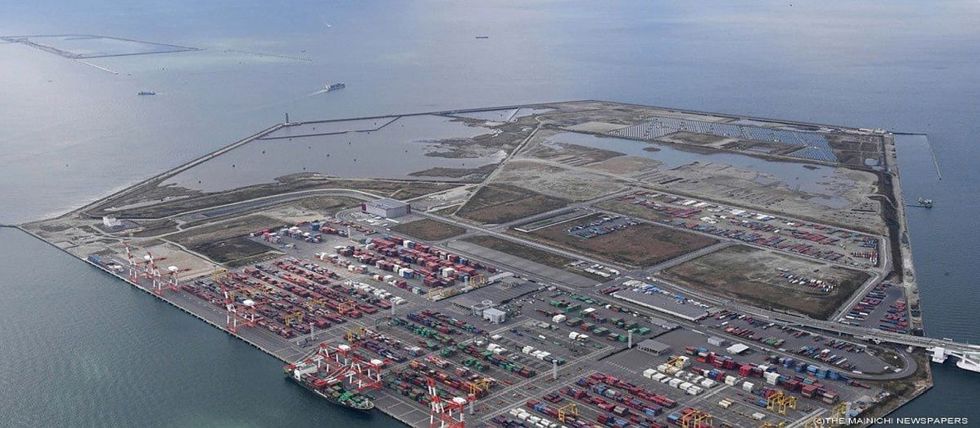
329	386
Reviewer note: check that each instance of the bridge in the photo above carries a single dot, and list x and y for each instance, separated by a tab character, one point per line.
966	361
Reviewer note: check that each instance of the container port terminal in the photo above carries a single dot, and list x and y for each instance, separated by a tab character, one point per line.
577	264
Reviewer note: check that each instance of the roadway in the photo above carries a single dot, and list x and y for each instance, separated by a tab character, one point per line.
793	320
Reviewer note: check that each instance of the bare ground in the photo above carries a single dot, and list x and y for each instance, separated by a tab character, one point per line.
643	244
751	275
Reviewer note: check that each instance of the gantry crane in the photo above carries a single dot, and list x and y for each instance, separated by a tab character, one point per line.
567	410
444	413
696	419
780	401
292	318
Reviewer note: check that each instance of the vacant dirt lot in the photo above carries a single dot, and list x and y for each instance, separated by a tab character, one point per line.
751	275
644	244
501	203
632	210
429	230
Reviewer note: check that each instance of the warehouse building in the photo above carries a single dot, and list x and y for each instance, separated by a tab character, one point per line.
716	341
737	348
654	347
387	208
494	315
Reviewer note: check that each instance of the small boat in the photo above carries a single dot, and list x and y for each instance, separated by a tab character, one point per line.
483	37
146	93
925	203
334	86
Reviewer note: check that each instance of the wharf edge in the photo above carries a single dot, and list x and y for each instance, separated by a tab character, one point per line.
183	309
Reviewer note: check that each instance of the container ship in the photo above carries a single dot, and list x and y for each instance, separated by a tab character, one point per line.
329	386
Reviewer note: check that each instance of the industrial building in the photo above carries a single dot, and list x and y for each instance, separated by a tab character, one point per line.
654	347
494	315
387	208
737	348
665	303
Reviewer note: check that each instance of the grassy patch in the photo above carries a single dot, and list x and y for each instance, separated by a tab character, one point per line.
227	229
533	254
235	252
502	203
156	228
328	204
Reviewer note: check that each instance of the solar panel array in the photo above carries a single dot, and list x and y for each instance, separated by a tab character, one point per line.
812	145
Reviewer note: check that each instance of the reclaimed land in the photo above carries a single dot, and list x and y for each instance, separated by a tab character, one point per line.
502	203
751	275
644	244
429	230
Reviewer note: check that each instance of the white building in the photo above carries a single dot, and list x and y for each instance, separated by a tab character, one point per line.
387	208
494	315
